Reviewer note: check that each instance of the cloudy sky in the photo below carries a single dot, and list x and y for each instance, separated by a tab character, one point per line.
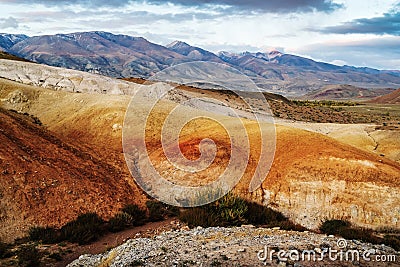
353	32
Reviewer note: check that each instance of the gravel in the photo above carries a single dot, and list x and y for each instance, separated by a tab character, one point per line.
237	246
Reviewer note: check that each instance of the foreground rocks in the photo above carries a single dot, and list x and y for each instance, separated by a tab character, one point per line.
241	246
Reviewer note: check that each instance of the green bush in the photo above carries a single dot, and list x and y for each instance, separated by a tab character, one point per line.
332	227
28	255
85	229
120	222
227	211
47	235
137	215
231	210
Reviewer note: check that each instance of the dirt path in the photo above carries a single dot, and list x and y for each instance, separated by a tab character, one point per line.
112	240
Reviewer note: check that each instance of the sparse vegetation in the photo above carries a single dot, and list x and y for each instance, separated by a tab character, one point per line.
120	222
327	111
233	211
4	250
392	241
47	235
159	211
260	215
138	215
28	255
86	228
332	227
324	103
346	230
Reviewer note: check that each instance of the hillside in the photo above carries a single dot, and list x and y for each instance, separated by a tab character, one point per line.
126	56
391	98
63	79
98	52
329	179
195	53
48	180
8	40
346	92
5	55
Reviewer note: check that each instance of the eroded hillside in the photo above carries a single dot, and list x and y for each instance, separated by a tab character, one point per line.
312	177
47	181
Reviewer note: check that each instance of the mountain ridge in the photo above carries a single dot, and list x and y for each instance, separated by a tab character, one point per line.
124	56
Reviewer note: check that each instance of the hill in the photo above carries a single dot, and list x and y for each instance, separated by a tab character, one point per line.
5	55
391	98
98	52
48	180
8	40
319	175
195	53
126	56
346	92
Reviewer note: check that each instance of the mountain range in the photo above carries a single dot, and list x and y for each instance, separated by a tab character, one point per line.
125	56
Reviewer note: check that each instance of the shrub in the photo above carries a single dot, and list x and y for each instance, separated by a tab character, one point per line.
158	211
56	256
137	215
28	255
47	235
231	210
392	241
362	234
332	227
4	250
120	222
86	228
289	226
227	211
260	215
199	216
346	230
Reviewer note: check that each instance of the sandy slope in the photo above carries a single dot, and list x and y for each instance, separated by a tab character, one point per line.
313	176
391	98
368	137
46	180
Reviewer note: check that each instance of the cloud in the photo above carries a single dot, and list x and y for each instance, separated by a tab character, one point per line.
389	23
379	52
110	19
272	6
84	3
9	22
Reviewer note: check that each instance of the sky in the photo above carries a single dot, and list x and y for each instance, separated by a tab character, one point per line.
342	32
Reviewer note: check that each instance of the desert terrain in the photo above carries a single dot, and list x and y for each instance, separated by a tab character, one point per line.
62	154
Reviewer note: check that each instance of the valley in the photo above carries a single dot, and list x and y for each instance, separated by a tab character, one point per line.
63	155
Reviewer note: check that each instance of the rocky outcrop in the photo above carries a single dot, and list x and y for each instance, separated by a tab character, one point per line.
313	180
311	202
238	246
63	79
